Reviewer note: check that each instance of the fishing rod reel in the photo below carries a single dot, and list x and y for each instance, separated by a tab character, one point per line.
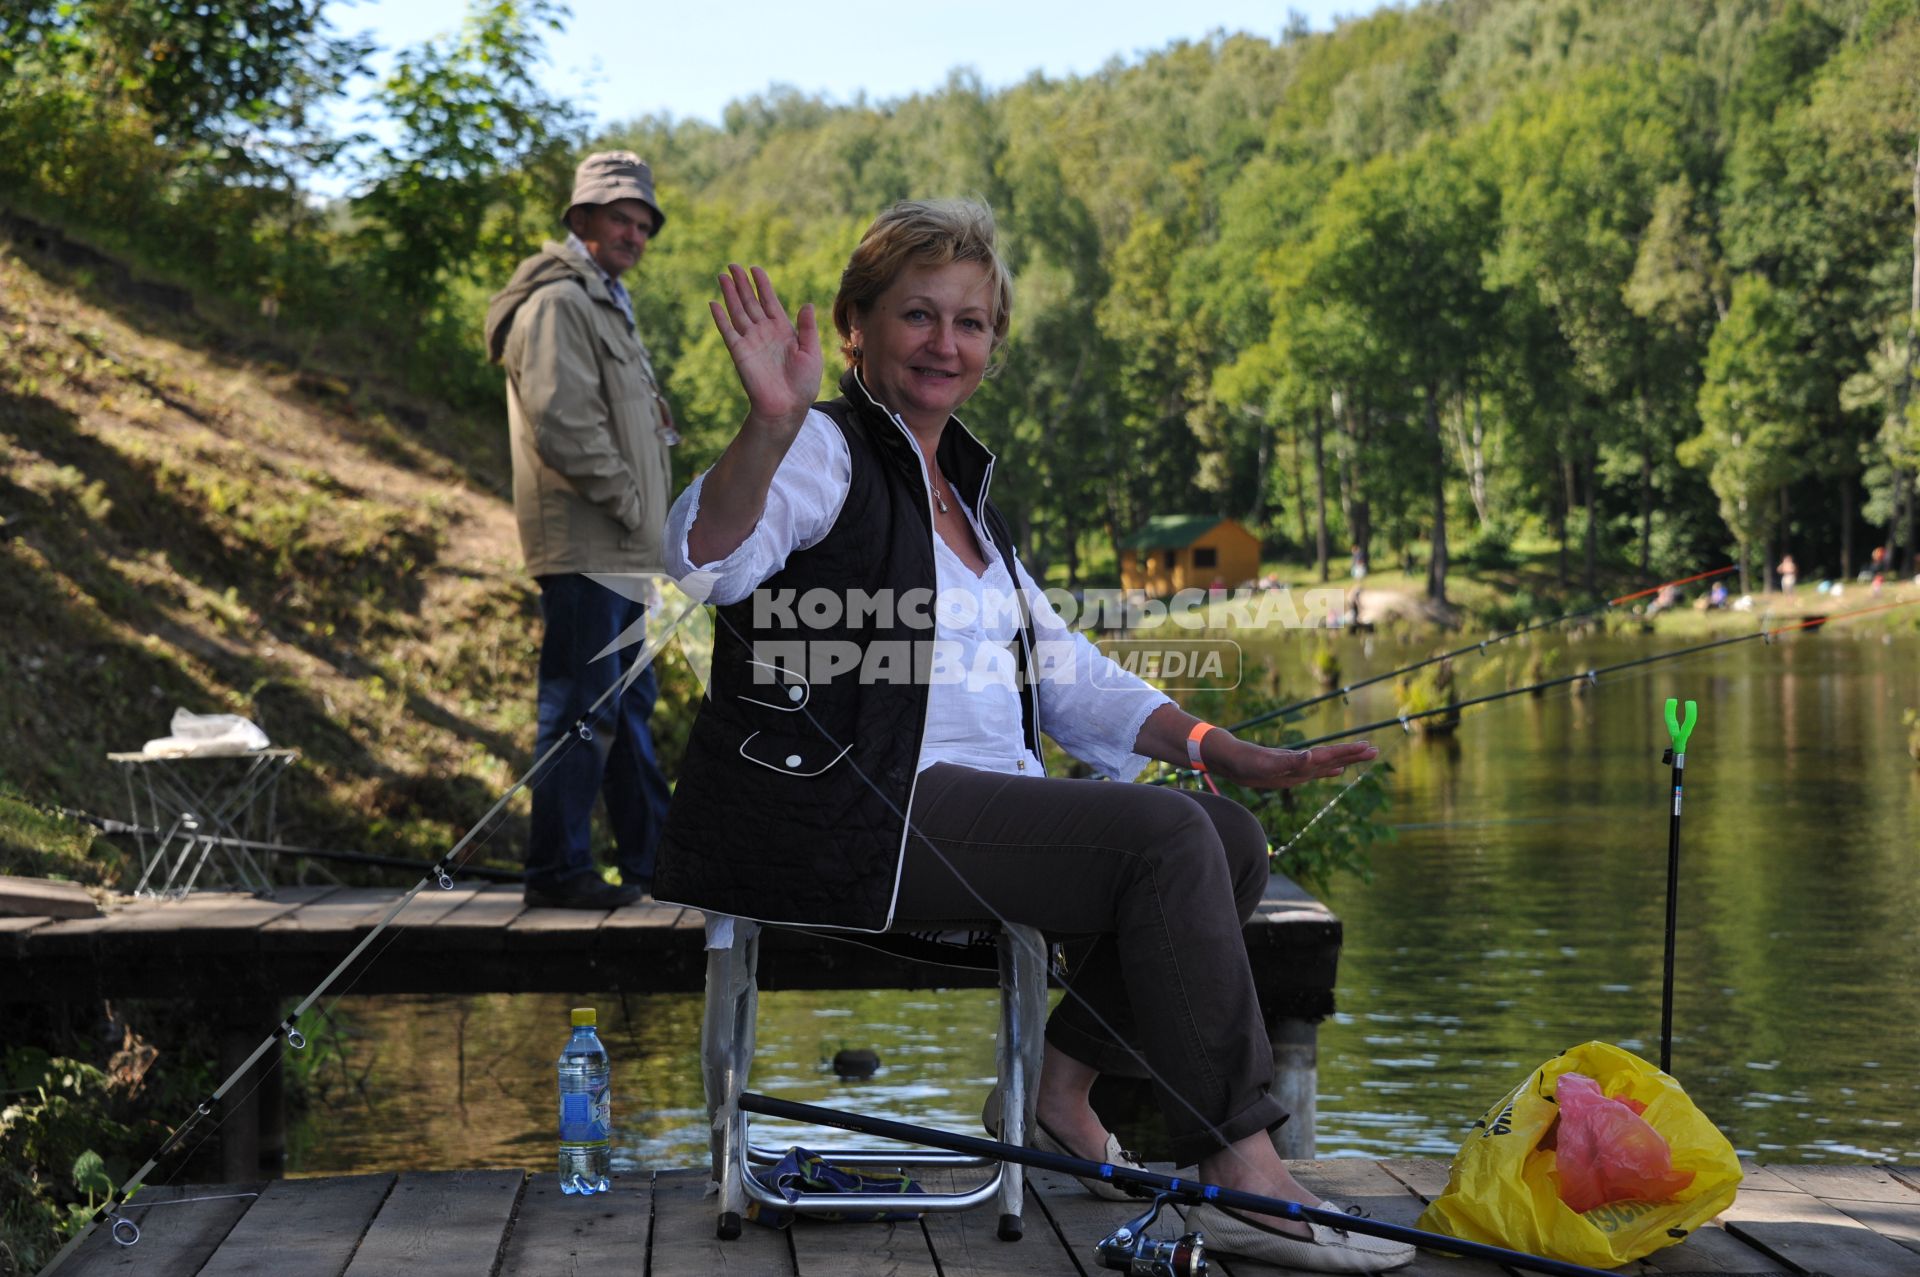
1128	1249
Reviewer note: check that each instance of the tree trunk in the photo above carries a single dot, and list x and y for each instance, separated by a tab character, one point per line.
1846	527
1567	500
1073	549
1646	487
1591	571
1469	439
1646	511
1299	486
1437	452
1263	458
1320	497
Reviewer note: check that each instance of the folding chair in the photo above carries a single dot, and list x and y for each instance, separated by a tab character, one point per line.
726	1045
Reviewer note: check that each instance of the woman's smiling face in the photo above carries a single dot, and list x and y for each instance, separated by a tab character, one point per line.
925	341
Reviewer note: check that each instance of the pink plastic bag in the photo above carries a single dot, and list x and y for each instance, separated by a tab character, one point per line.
1607	1152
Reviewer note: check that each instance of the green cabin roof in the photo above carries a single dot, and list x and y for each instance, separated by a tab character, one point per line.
1171	531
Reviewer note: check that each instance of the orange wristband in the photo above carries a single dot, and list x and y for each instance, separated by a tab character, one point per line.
1194	738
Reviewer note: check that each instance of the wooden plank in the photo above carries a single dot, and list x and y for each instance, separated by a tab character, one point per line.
302	1228
826	1249
175	1240
1762	1178
684	1244
1712	1249
480	923
545	930
1078	1219
440	1224
645	915
75	938
414	930
1848	1183
1425	1176
433	904
205	922
605	1233
1869	1194
968	1242
1367	1184
1811	1235
336	921
13	933
45	898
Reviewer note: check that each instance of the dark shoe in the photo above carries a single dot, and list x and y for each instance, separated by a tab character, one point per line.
587	893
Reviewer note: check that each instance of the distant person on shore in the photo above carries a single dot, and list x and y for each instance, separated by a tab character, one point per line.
1358	564
590	431
1789	573
1875	565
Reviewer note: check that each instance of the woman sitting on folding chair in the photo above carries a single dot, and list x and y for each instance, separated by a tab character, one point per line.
868	753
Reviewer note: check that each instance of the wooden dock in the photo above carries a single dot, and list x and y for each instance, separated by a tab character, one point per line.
1847	1221
241	958
470	939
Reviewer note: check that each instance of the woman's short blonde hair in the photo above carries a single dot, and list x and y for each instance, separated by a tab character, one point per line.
920	233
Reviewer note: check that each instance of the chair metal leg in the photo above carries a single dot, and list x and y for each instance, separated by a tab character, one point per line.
1023	1005
726	1051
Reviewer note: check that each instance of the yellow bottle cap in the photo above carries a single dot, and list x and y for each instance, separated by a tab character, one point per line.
583	1015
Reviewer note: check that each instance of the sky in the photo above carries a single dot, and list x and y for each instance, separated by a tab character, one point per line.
620	59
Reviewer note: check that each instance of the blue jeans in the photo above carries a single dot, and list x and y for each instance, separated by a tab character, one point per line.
581	617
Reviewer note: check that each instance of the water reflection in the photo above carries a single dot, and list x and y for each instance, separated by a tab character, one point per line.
1519	911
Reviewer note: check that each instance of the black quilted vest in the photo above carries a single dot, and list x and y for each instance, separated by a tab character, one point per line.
794	792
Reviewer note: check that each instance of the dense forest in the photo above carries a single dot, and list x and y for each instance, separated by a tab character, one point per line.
1640	278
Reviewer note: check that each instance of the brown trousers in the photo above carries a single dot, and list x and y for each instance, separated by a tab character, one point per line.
1150	887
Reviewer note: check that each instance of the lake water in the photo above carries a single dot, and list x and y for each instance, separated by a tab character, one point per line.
1519	910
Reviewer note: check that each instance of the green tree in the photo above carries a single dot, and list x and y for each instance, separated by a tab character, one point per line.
472	122
1757	407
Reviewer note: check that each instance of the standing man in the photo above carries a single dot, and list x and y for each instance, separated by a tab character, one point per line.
590	431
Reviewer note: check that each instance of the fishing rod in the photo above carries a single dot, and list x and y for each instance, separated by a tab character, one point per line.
1592	676
440	872
1285	710
1127	1255
1678	733
109	826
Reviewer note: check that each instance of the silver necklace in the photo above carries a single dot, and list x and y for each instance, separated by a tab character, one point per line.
938	499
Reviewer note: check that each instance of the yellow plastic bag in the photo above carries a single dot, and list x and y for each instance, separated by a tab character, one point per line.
1505	1190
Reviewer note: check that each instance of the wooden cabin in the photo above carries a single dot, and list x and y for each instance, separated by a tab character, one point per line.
1174	552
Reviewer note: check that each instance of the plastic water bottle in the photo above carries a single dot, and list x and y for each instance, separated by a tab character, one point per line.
586	1105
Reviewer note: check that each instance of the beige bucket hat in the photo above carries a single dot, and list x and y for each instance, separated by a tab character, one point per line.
606	176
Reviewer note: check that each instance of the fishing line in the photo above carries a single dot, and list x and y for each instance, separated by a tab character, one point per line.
1589	677
439	874
1067	989
1481	646
1592	676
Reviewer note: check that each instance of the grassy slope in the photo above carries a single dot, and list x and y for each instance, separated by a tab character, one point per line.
181	524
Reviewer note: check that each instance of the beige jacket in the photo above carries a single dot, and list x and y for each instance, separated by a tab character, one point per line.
591	473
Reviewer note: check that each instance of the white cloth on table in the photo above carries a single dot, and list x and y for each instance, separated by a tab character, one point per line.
206	736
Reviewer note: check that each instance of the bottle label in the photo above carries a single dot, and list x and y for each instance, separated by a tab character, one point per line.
585	1115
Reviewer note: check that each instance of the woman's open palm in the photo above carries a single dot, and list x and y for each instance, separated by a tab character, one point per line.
778	361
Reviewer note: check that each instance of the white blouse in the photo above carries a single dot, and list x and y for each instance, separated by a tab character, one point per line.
1091	706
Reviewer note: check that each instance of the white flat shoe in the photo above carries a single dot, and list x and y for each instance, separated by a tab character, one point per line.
1044	1140
1332	1250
